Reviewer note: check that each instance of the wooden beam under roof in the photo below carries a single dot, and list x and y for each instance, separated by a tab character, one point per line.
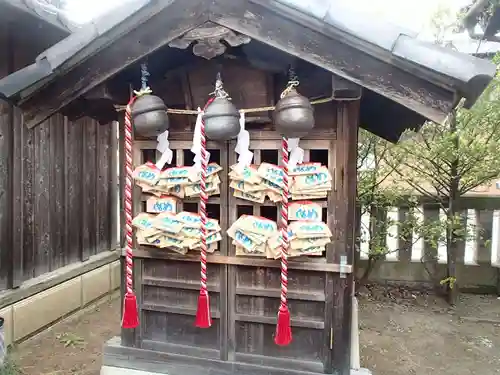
168	23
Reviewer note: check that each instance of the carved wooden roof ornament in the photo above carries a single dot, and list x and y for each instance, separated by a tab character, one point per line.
209	40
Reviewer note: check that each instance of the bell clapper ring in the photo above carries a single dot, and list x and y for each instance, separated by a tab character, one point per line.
293	81
289	87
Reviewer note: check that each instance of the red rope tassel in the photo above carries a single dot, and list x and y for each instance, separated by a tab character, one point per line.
203	316
283	335
283	328
130	318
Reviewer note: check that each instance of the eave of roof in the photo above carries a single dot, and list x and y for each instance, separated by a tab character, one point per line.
463	75
400	47
69	51
52	17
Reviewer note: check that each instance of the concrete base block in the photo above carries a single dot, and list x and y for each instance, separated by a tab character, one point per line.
361	371
119	359
108	370
8	328
38	311
41	302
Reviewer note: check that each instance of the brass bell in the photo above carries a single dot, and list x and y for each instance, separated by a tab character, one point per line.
293	115
222	120
149	116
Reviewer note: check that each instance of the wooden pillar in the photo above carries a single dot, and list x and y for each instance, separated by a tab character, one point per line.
344	236
6	165
113	195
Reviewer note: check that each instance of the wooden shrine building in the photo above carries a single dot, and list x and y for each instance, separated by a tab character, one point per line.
49	198
375	75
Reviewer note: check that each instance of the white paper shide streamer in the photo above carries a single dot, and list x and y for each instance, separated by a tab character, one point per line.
164	147
296	153
245	156
196	147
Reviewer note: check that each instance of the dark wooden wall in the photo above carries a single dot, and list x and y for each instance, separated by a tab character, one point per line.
58	184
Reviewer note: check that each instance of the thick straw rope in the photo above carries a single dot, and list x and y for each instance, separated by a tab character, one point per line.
175	111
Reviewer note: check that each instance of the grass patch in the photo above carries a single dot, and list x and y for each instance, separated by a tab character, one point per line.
9	368
70	340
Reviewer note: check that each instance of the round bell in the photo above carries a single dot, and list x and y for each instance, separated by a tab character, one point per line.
222	120
149	116
294	115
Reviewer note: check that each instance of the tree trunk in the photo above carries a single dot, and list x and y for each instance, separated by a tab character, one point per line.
453	210
363	279
451	258
378	219
357	253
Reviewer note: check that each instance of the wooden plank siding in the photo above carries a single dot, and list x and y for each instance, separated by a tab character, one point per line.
58	184
59	205
5	172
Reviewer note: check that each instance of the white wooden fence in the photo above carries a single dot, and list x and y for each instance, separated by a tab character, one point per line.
471	256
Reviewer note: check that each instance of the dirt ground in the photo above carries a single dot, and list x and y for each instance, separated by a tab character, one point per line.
72	347
402	333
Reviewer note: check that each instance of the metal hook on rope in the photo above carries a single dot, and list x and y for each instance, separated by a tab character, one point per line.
293	81
219	91
144	76
291	85
145	89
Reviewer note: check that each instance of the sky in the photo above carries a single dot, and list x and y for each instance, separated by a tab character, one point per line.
81	11
413	14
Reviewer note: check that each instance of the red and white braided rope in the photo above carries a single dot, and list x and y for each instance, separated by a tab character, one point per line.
128	198
284	226
203	209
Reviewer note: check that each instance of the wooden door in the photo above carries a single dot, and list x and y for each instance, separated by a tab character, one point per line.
254	286
169	283
244	291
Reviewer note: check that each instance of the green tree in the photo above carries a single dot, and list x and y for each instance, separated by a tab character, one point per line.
443	22
377	192
446	161
482	13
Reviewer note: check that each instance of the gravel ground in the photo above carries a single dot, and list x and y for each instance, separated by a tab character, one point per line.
419	334
401	333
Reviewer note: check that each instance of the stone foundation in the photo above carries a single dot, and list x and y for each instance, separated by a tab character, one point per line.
41	303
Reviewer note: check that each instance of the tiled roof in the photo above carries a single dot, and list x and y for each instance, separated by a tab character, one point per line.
461	75
44	11
391	41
